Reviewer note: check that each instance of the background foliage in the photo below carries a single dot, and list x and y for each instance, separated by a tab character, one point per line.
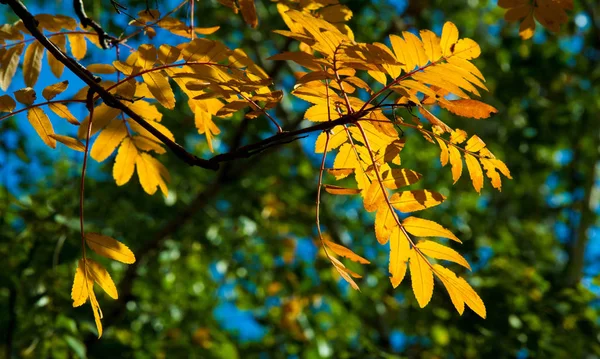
227	265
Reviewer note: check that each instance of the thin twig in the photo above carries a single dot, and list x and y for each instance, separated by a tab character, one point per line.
103	38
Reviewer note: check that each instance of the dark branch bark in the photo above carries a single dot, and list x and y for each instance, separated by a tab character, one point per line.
32	25
104	39
213	164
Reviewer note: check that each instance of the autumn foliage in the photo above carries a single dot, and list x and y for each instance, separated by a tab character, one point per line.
362	96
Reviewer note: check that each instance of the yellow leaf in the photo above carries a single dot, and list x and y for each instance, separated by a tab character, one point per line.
97	311
70	142
78	45
421	278
431	43
109	247
434	120
160	88
412	201
346	158
321	113
52	91
425	228
340	190
101	276
460	290
443	152
103	114
101	69
466	49
456	162
400	177
146	144
9	65
42	125
439	251
340	171
56	66
143	132
345	272
474	171
345	252
474	144
399	254
108	140
146	173
337	137
125	162
25	96
79	291
62	111
469	108
449	280
385	222
32	63
374	196
449	38
7	104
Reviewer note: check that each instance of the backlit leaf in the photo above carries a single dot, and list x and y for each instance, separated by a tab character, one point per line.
345	252
125	162
42	125
421	278
108	140
399	255
425	228
79	291
56	66
340	190
70	142
416	200
52	91
439	251
101	276
32	63
474	171
109	247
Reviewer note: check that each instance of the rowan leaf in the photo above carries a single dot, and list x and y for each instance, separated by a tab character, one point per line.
109	247
78	45
9	65
160	88
469	108
42	125
345	252
456	162
400	177
474	171
32	63
62	111
101	276
425	228
56	66
421	278
52	91
70	142
460	291
108	140
399	255
340	190
125	162
25	96
416	200
440	251
7	104
79	291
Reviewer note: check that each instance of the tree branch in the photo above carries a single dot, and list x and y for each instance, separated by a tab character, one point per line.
92	81
104	39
